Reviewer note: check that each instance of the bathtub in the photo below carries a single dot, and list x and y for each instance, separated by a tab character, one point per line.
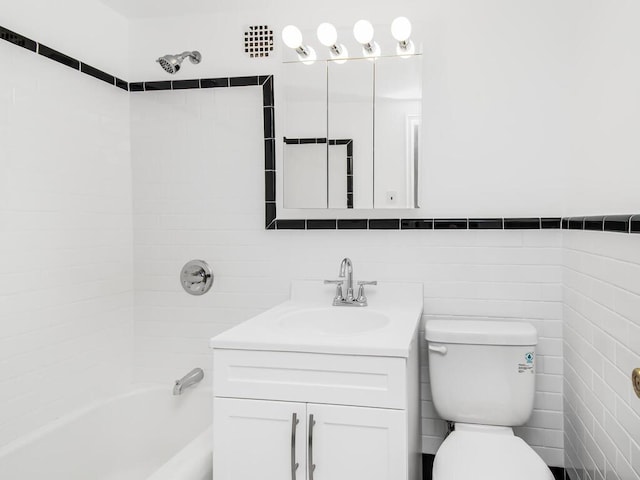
144	434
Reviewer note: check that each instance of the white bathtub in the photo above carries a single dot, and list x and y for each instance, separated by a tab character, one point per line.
144	434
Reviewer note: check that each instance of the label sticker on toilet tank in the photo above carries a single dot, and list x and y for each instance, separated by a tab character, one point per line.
528	364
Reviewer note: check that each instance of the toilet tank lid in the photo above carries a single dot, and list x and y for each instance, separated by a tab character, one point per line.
481	332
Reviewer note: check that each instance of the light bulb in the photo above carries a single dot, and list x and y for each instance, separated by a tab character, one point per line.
327	34
401	29
292	36
363	31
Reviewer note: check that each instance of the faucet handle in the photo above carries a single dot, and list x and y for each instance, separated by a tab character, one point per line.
338	284
361	296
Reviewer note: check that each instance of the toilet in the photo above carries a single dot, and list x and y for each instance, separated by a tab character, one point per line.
483	379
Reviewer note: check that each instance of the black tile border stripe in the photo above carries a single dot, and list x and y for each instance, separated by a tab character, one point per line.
486	224
322	224
122	84
384	224
185	84
553	222
17	39
136	87
99	74
617	223
522	223
416	224
214	82
291	224
610	223
594	223
155	86
58	57
604	223
450	224
352	224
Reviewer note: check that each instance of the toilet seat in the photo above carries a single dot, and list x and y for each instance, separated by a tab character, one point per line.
484	452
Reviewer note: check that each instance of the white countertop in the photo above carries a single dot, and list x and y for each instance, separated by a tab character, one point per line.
400	302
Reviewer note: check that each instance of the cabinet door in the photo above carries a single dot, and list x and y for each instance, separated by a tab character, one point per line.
355	443
256	439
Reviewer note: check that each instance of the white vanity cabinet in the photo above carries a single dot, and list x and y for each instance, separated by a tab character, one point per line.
283	440
258	439
337	417
307	391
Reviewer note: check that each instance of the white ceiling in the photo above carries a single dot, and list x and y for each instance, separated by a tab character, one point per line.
171	8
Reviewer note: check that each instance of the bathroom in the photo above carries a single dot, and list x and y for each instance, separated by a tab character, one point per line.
528	112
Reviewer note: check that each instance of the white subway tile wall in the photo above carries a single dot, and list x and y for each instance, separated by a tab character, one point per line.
65	241
198	175
601	348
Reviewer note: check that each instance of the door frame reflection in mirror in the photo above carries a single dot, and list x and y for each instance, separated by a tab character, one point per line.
414	124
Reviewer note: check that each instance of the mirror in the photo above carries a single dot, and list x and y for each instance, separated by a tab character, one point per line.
350	100
398	105
352	131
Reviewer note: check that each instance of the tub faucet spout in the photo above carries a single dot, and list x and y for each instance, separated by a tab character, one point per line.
194	376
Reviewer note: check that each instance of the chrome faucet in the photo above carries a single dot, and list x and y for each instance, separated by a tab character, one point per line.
194	376
346	272
346	268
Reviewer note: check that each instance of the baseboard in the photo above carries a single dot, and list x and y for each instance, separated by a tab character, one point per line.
427	468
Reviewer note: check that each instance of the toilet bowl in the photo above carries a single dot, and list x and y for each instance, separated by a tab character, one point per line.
482	452
482	377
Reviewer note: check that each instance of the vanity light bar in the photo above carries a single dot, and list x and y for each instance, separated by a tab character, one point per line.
363	32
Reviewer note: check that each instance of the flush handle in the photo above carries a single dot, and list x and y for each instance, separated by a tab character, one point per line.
635	378
441	349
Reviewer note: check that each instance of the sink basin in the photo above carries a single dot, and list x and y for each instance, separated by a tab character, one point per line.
308	323
334	321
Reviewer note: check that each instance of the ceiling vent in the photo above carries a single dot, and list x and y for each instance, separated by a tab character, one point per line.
258	41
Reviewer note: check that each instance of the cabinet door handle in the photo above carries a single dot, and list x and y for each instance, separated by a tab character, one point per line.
294	464
312	467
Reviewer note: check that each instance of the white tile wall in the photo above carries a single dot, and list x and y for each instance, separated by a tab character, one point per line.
199	193
601	347
65	240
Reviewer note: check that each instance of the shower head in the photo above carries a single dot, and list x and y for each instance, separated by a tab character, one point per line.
171	63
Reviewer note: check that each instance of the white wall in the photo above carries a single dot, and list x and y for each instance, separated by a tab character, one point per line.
601	348
601	270
604	102
65	240
202	197
495	145
84	29
495	89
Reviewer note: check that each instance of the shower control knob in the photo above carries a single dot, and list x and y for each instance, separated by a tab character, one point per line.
196	277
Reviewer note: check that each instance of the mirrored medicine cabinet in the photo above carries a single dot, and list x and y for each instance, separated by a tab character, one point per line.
352	133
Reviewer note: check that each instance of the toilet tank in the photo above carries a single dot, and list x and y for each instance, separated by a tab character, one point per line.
482	371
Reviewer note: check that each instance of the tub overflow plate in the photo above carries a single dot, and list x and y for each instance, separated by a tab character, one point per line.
196	277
